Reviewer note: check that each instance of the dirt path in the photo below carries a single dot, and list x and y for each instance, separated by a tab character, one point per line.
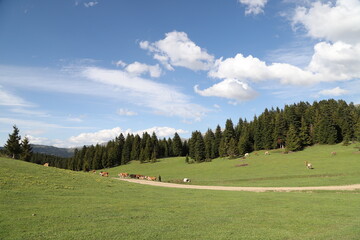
248	189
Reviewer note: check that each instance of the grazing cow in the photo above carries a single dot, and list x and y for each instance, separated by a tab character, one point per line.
104	174
123	175
247	154
186	180
308	165
333	153
267	153
138	176
151	178
132	175
46	164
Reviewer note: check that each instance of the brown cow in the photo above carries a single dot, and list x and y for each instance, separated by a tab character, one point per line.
267	153
104	174
93	171
151	178
123	175
333	153
46	164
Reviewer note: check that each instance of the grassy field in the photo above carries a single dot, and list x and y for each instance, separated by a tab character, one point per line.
273	170
38	202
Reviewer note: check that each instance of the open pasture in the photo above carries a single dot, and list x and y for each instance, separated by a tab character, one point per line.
40	202
274	170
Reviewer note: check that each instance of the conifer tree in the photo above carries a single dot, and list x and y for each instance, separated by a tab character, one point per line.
26	150
199	148
218	137
12	146
135	149
304	134
177	145
209	139
292	139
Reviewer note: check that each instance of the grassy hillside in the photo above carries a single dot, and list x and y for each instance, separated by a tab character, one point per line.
276	169
47	203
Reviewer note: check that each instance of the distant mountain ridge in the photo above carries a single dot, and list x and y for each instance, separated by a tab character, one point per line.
50	150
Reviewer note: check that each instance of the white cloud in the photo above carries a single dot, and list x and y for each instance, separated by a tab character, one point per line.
9	99
138	69
176	49
230	89
334	92
162	132
253	6
338	61
106	135
116	84
333	22
120	64
125	112
90	4
253	69
28	112
162	98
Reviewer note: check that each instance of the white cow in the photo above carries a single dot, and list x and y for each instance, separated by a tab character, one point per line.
186	180
247	154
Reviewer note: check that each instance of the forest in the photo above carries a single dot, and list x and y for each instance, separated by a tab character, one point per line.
292	128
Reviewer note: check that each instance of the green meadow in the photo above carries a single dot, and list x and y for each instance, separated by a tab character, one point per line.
274	170
38	202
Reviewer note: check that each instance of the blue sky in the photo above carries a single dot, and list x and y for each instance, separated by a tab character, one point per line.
81	72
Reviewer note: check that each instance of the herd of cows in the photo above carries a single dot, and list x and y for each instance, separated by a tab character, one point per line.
129	175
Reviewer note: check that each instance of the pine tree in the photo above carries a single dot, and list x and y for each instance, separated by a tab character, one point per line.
304	134
218	137
26	150
12	146
292	139
199	148
209	139
177	145
244	144
135	149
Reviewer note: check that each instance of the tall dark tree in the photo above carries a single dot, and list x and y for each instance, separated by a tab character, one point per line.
217	140
26	150
12	146
177	145
199	148
293	142
209	139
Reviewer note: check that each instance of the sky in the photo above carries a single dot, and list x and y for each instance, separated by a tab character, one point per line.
80	72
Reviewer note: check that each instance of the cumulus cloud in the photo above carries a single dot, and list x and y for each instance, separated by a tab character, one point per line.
232	89
334	92
106	135
333	22
253	69
138	69
126	112
253	6
176	49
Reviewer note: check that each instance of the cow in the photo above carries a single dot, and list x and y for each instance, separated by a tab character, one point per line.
104	174
333	153
132	175
123	175
308	165
46	164
247	154
267	153
93	171
186	180
151	178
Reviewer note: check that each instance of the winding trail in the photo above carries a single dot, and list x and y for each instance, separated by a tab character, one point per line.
247	189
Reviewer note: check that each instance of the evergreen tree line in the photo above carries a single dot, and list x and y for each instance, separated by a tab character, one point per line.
121	150
294	127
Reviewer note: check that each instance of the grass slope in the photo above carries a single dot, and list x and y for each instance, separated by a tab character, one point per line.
78	205
274	170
